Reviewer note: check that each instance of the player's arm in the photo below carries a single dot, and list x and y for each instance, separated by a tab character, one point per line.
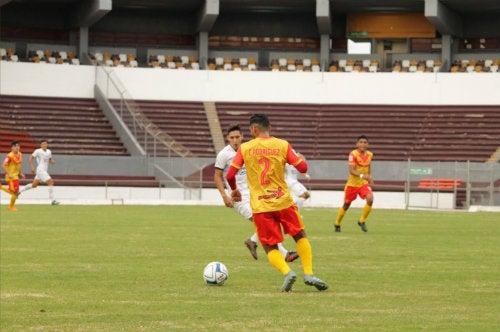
231	179
370	179
354	172
236	164
219	183
5	167
293	159
32	166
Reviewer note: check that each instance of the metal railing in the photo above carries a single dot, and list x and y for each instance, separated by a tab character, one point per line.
160	148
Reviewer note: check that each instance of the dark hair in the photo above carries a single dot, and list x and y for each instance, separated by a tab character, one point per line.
260	120
234	128
14	143
43	140
362	137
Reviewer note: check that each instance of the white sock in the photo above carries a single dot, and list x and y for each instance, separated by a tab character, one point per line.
254	238
282	250
26	187
300	202
51	193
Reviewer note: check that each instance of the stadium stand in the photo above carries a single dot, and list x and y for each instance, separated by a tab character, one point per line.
8	55
186	122
75	126
475	66
415	66
173	62
424	133
53	57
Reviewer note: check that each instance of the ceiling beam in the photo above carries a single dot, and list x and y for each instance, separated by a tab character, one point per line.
445	20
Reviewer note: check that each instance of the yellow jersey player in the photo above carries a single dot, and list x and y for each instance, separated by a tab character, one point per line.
273	209
12	168
358	183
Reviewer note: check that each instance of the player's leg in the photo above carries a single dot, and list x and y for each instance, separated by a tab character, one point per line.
7	190
270	235
295	224
31	185
14	188
350	194
50	184
244	209
367	194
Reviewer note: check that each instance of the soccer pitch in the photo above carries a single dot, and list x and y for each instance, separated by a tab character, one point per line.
139	268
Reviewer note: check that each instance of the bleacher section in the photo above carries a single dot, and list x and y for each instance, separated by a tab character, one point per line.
186	122
73	126
324	132
423	133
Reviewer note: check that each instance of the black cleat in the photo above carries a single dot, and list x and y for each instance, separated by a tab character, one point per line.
291	256
337	229
363	226
252	246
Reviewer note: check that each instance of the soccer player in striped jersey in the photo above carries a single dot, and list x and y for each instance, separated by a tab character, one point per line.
273	209
222	163
12	168
359	182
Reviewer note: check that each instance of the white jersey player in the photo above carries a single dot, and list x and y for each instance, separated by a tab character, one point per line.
43	158
297	189
222	163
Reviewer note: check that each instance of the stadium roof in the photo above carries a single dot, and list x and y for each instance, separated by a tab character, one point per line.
462	7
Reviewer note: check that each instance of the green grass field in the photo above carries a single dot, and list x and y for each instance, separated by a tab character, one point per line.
139	268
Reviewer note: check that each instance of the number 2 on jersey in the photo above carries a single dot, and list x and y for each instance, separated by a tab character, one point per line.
266	163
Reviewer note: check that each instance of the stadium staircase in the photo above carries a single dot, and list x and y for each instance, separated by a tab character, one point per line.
215	127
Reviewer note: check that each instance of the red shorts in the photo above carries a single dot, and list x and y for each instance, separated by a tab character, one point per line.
13	185
269	224
351	193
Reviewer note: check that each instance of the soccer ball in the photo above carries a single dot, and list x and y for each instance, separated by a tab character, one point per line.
215	274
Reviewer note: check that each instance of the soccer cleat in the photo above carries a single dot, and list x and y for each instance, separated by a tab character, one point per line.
252	246
12	208
291	256
337	229
311	280
290	279
363	226
54	202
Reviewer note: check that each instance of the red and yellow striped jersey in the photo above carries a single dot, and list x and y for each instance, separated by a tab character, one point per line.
361	163
265	159
13	163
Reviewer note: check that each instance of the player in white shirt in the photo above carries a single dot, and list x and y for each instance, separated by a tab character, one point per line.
43	157
297	189
222	163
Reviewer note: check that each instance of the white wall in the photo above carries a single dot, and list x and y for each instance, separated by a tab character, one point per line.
48	80
290	87
76	195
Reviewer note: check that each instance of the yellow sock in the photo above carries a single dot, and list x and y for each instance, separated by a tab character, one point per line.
12	201
340	215
7	190
366	212
305	253
278	261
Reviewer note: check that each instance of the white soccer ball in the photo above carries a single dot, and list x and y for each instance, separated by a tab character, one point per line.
215	273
